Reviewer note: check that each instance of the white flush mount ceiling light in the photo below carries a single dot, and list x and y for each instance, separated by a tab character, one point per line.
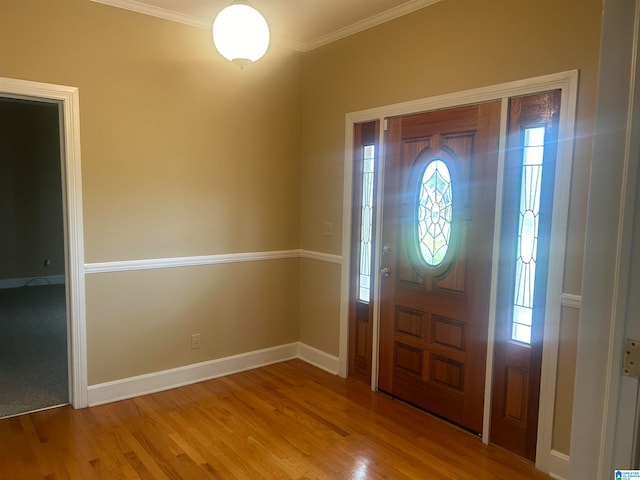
240	33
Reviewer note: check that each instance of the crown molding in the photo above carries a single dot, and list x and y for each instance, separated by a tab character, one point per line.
367	23
157	12
171	15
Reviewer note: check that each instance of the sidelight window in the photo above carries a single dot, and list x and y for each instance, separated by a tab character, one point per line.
366	226
527	236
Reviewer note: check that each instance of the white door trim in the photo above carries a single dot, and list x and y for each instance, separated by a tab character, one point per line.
568	83
68	99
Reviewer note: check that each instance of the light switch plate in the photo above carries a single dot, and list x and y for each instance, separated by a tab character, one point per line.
631	366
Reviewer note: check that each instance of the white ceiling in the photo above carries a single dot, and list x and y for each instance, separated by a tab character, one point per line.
296	24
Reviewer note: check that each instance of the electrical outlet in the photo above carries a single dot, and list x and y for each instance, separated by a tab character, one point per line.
327	229
195	341
47	262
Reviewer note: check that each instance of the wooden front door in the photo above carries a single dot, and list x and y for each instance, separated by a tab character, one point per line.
438	223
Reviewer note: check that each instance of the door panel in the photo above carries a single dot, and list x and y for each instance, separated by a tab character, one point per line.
361	289
528	194
438	239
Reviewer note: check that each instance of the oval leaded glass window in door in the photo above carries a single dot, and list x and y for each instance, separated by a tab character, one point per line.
434	213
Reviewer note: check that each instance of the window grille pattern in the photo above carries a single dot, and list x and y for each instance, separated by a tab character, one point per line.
529	216
434	212
366	225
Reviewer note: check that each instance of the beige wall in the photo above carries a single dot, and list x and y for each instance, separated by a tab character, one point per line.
183	154
451	46
320	301
565	379
142	321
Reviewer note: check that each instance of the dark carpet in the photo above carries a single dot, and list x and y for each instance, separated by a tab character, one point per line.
33	349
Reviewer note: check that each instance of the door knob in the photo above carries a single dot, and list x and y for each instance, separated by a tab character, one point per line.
385	272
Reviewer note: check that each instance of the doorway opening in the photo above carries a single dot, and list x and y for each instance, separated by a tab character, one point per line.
66	100
411	360
33	313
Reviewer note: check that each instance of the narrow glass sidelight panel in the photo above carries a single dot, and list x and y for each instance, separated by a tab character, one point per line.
528	223
434	213
366	227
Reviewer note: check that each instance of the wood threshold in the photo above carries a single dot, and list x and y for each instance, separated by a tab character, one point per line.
289	420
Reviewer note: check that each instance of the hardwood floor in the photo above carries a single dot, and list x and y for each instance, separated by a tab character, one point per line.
285	421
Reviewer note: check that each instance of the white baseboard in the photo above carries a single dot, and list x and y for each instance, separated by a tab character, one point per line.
319	358
558	465
31	281
198	372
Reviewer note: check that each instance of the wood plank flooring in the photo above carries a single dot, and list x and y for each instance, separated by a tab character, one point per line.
285	421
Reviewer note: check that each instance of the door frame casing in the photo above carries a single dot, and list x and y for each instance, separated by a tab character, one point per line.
68	100
546	460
